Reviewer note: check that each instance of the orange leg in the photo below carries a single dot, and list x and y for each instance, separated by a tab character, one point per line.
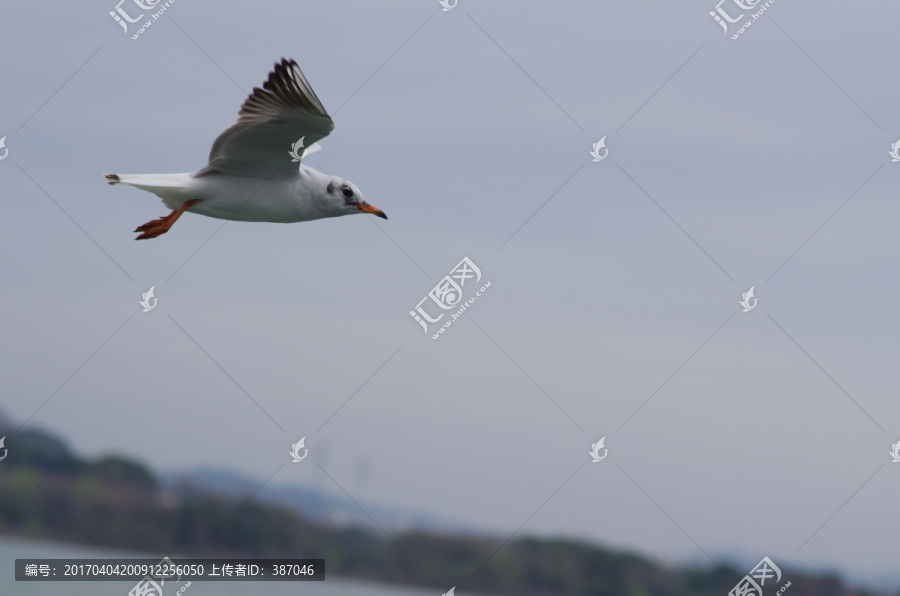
160	226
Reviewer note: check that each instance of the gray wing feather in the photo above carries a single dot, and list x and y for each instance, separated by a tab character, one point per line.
271	120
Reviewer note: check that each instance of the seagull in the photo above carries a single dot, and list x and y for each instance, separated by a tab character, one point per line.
250	176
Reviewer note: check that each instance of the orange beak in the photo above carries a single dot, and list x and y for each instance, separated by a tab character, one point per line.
366	208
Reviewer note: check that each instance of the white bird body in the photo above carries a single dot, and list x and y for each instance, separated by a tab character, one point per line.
250	176
239	198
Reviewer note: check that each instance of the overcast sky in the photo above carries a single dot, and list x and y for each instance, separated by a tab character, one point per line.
613	309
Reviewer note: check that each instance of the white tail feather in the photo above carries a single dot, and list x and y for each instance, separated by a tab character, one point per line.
171	188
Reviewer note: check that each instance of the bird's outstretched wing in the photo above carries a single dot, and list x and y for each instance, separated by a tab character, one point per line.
270	122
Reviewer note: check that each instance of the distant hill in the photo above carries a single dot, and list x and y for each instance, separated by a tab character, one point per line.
48	491
46	453
312	503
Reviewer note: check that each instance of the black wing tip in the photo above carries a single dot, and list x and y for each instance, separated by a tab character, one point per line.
288	63
286	87
284	69
283	77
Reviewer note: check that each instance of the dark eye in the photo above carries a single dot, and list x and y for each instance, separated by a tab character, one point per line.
348	193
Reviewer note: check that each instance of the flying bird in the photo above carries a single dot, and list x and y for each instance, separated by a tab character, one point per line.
250	176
